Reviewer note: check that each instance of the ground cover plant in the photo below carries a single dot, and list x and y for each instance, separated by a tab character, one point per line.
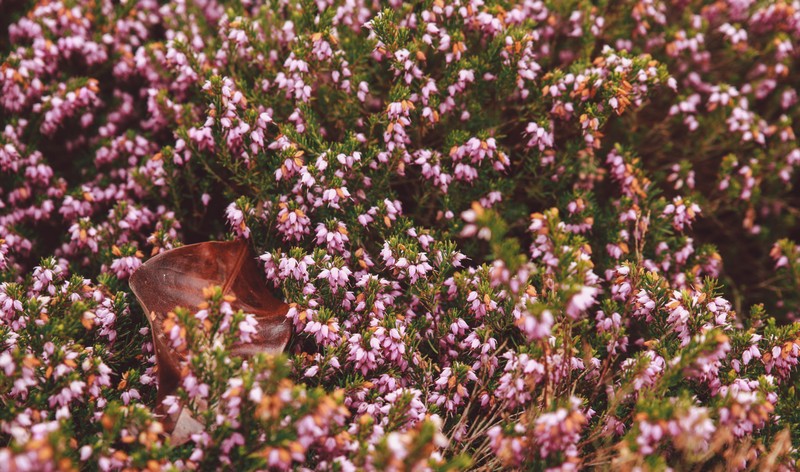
548	234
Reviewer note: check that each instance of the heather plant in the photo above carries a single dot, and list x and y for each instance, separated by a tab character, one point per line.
539	235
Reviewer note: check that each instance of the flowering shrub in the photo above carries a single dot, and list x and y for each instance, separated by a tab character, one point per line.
544	234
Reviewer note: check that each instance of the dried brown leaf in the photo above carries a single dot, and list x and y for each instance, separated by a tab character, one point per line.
176	278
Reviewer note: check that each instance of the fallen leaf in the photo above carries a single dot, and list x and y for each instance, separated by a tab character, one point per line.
176	278
185	427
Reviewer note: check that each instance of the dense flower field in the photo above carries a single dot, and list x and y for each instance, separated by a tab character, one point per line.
548	234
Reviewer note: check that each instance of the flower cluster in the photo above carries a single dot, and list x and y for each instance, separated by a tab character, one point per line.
526	234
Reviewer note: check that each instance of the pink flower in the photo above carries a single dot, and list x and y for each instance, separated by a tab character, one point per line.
236	220
292	224
123	267
336	276
682	213
581	301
